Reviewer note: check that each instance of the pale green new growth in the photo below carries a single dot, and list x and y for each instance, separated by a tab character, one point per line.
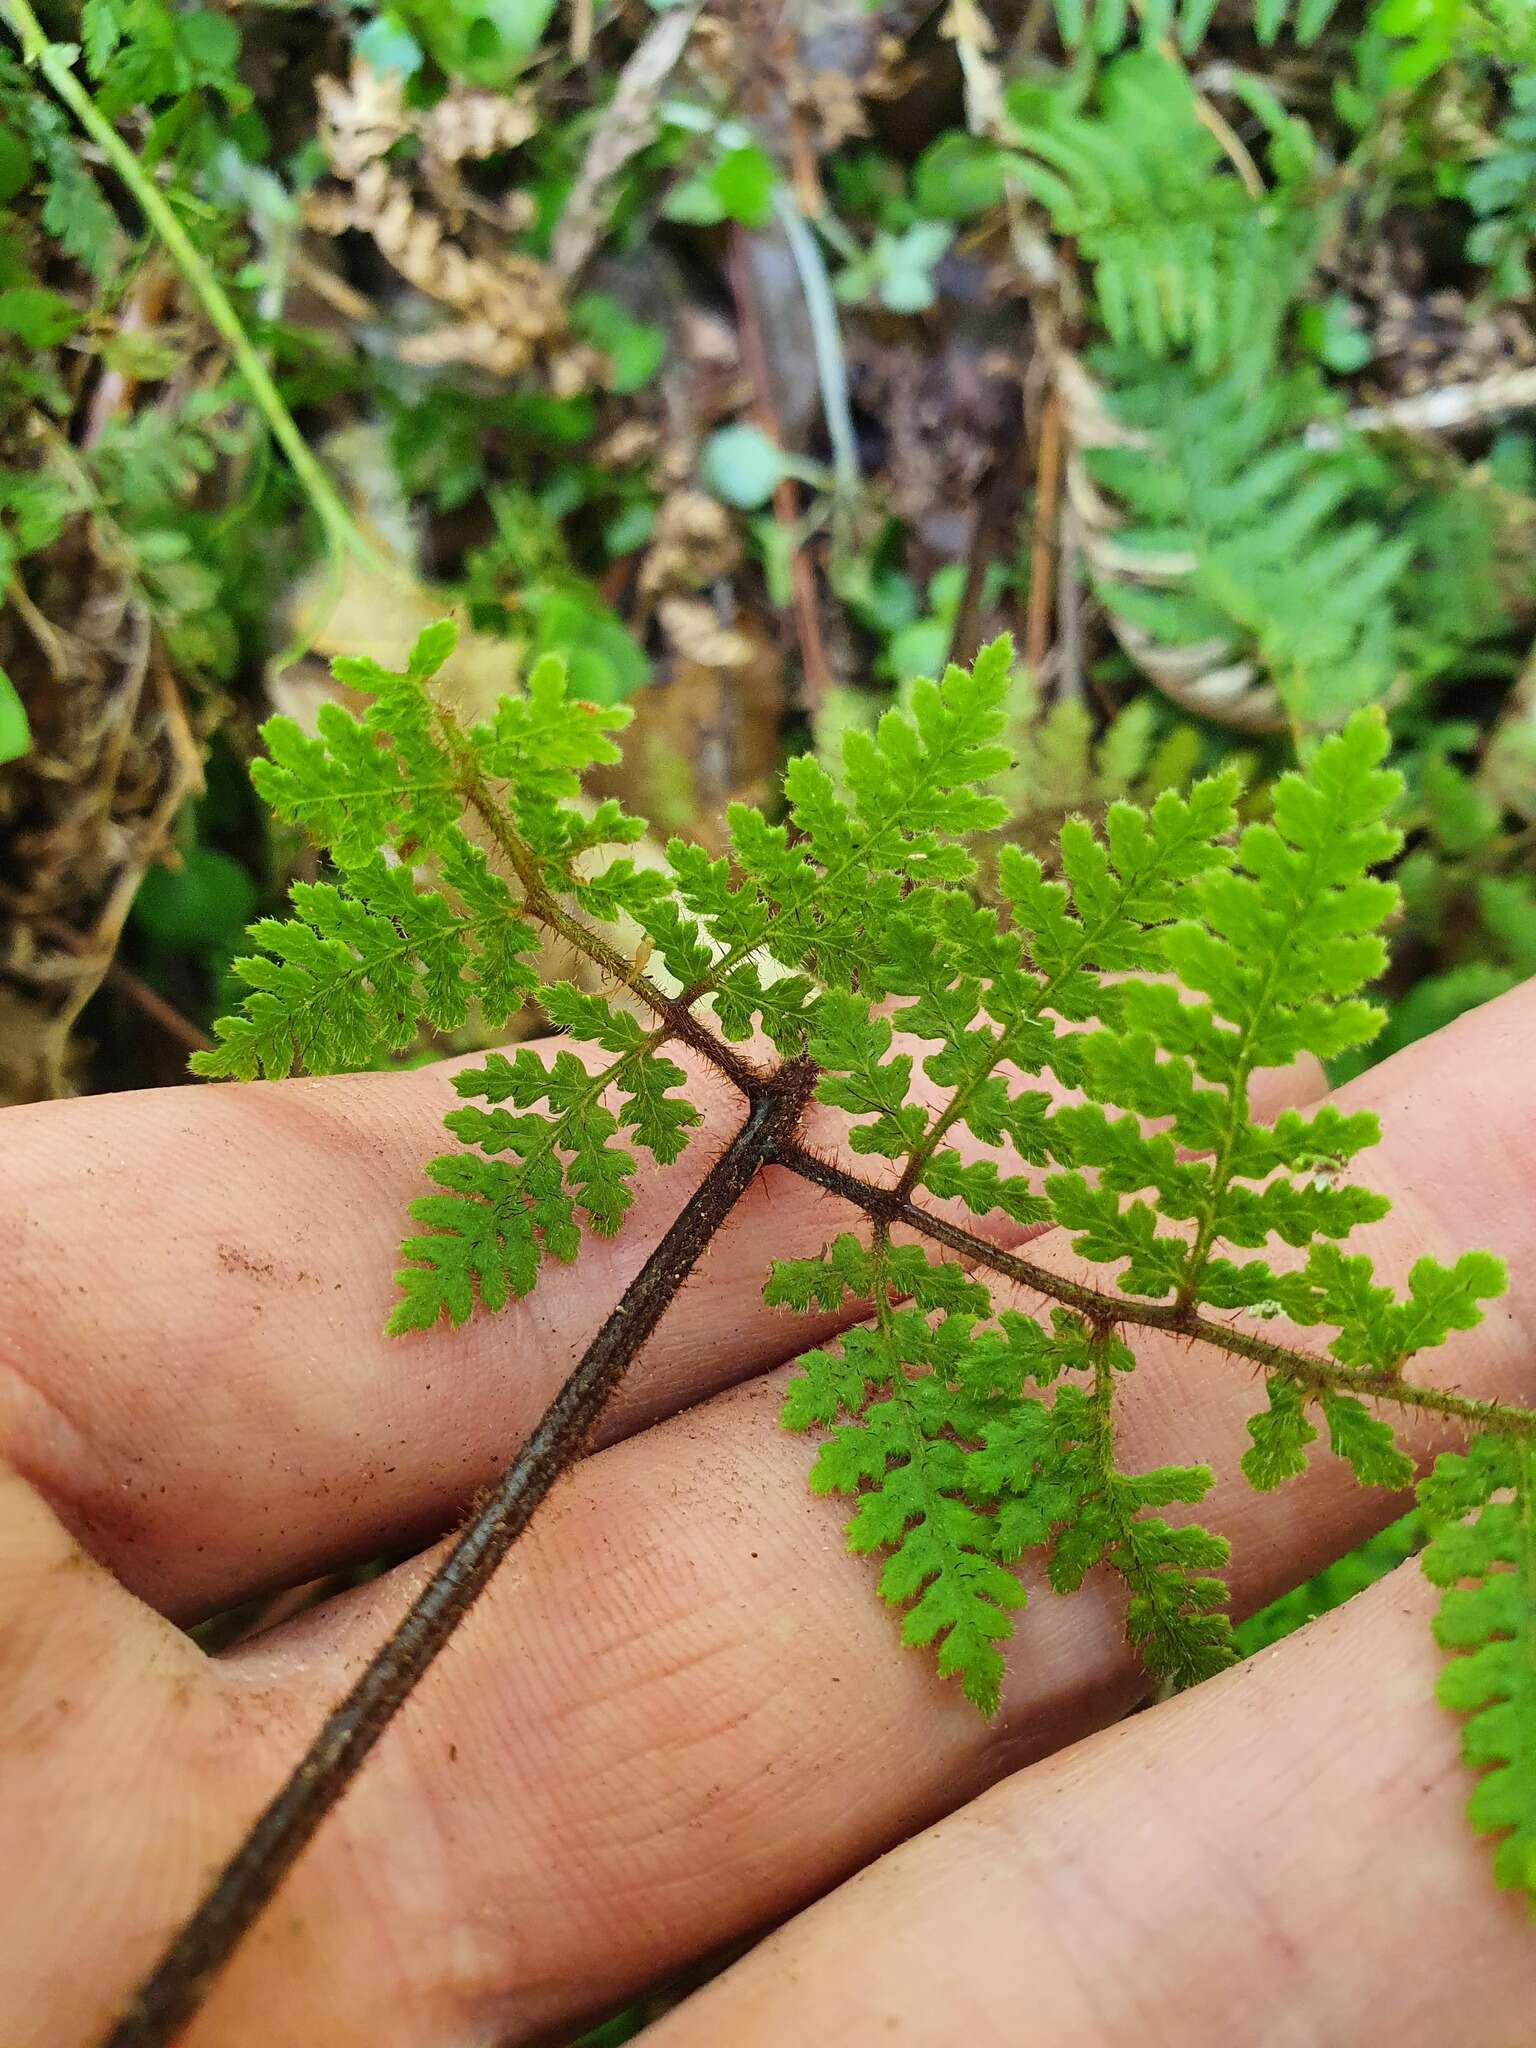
1078	1054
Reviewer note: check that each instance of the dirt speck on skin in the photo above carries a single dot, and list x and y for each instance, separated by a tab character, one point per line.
234	1260
75	1559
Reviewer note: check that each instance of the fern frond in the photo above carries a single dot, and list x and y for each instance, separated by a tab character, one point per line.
1236	540
1104	24
807	894
359	784
375	954
499	1215
957	1472
1170	958
1231	958
1175	1616
1487	1566
1065	764
350	979
1185	259
1279	944
914	1387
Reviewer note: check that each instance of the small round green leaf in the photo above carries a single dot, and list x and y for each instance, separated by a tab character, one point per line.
742	466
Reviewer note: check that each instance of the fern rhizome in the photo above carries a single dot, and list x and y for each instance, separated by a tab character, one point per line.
1176	956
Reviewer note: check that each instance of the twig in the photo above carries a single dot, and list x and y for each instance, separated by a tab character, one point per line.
154	1005
974	38
1031	34
1069	610
627	125
42	629
965	631
345	298
996	511
804	177
1452	406
1232	145
177	1987
1212	119
1042	547
179	1029
115	388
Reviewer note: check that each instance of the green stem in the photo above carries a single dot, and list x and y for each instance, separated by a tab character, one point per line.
1238	1114
826	341
337	524
1221	1165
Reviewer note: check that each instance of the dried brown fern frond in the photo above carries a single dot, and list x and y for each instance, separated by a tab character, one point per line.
507	308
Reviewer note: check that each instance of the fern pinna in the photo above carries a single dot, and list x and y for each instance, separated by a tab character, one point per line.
1089	1043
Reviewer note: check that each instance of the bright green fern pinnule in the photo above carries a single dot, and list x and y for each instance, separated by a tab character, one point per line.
378	952
1488	1567
1076	1055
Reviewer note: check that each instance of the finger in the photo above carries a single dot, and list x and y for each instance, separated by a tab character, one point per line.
193	1367
63	1614
681	1711
211	1400
1282	1854
108	1723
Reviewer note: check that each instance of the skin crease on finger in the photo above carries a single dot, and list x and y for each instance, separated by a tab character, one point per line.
649	1739
1278	1860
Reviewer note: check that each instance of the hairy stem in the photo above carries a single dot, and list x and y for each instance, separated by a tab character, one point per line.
673	1011
1316	1375
171	1995
51	59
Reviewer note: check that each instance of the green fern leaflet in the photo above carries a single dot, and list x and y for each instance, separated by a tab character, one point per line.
1241	539
1104	24
1487	1565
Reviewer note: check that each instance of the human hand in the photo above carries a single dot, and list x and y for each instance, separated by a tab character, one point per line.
677	1715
